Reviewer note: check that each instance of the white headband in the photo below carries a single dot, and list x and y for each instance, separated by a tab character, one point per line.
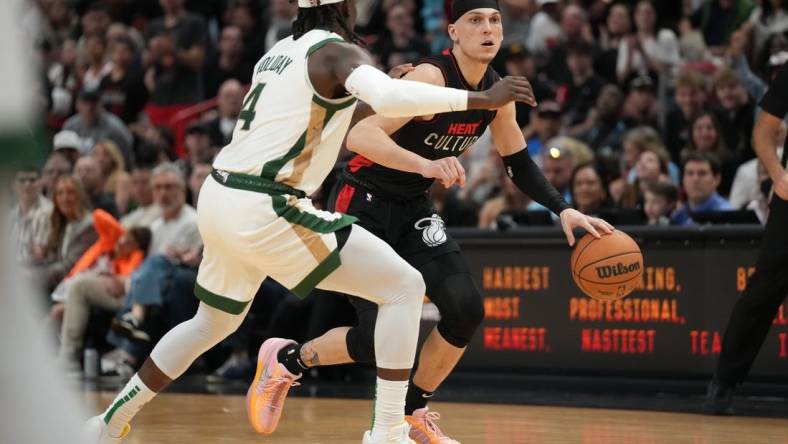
316	3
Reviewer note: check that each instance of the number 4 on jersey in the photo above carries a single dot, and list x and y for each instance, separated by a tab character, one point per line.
247	113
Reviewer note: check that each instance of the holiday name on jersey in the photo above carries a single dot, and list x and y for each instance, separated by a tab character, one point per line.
274	63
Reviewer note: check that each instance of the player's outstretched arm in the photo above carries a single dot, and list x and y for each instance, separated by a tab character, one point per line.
348	66
522	170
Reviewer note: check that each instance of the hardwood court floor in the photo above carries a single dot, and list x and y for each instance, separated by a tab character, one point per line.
197	419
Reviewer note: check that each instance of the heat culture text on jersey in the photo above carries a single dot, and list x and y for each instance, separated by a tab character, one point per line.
459	137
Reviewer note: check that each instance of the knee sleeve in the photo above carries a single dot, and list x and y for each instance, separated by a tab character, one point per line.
176	351
462	309
361	338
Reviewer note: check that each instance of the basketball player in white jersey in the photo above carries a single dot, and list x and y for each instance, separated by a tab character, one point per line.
256	221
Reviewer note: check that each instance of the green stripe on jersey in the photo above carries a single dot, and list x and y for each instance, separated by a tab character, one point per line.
312	49
329	264
218	302
308	220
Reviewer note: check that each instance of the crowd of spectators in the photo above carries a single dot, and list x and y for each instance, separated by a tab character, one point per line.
645	115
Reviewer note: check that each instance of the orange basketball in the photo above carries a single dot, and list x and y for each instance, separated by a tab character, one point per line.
608	268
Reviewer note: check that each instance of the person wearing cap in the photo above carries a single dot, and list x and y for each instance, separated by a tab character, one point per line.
520	62
545	124
386	187
256	221
70	144
640	105
92	123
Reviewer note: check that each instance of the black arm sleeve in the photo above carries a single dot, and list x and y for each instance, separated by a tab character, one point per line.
529	178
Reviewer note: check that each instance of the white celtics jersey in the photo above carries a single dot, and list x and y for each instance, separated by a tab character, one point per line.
286	131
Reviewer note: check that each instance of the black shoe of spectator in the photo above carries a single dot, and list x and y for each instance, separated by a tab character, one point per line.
130	327
719	398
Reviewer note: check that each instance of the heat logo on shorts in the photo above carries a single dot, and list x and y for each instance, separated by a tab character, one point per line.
616	270
433	230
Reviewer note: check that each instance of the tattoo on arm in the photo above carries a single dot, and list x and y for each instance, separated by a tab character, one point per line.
309	355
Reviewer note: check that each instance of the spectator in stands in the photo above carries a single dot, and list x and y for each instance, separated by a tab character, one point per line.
71	232
580	94
509	199
659	202
29	219
651	167
200	148
176	242
88	171
746	184
281	13
247	16
736	114
690	100
520	62
648	51
96	64
768	19
603	127
69	144
62	23
145	210
228	63
62	80
123	91
701	179
544	32
516	17
173	61
576	34
99	280
196	179
640	105
113	170
557	166
544	126
57	164
588	190
616	27
400	43
229	102
93	123
707	136
718	19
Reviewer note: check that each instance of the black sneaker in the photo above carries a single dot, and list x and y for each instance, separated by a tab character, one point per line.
719	398
130	327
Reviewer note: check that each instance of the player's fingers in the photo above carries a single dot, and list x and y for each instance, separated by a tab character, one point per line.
590	228
462	172
602	225
570	236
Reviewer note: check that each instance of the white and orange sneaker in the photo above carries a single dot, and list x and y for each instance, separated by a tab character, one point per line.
396	435
95	432
424	430
266	396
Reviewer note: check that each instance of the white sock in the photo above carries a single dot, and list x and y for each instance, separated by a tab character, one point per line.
128	402
389	406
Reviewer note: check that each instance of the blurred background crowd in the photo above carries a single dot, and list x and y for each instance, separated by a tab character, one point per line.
645	116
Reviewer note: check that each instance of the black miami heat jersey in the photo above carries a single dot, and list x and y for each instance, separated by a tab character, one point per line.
447	134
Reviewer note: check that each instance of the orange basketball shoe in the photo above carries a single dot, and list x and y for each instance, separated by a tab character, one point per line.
266	395
423	429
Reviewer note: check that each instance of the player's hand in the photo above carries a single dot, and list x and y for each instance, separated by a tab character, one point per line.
781	186
509	89
571	219
447	170
399	71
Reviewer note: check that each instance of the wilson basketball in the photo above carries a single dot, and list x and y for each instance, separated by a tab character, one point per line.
608	268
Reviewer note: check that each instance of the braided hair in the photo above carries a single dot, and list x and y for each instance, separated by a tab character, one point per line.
327	17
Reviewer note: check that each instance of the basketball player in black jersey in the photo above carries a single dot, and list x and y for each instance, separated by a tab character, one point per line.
385	187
